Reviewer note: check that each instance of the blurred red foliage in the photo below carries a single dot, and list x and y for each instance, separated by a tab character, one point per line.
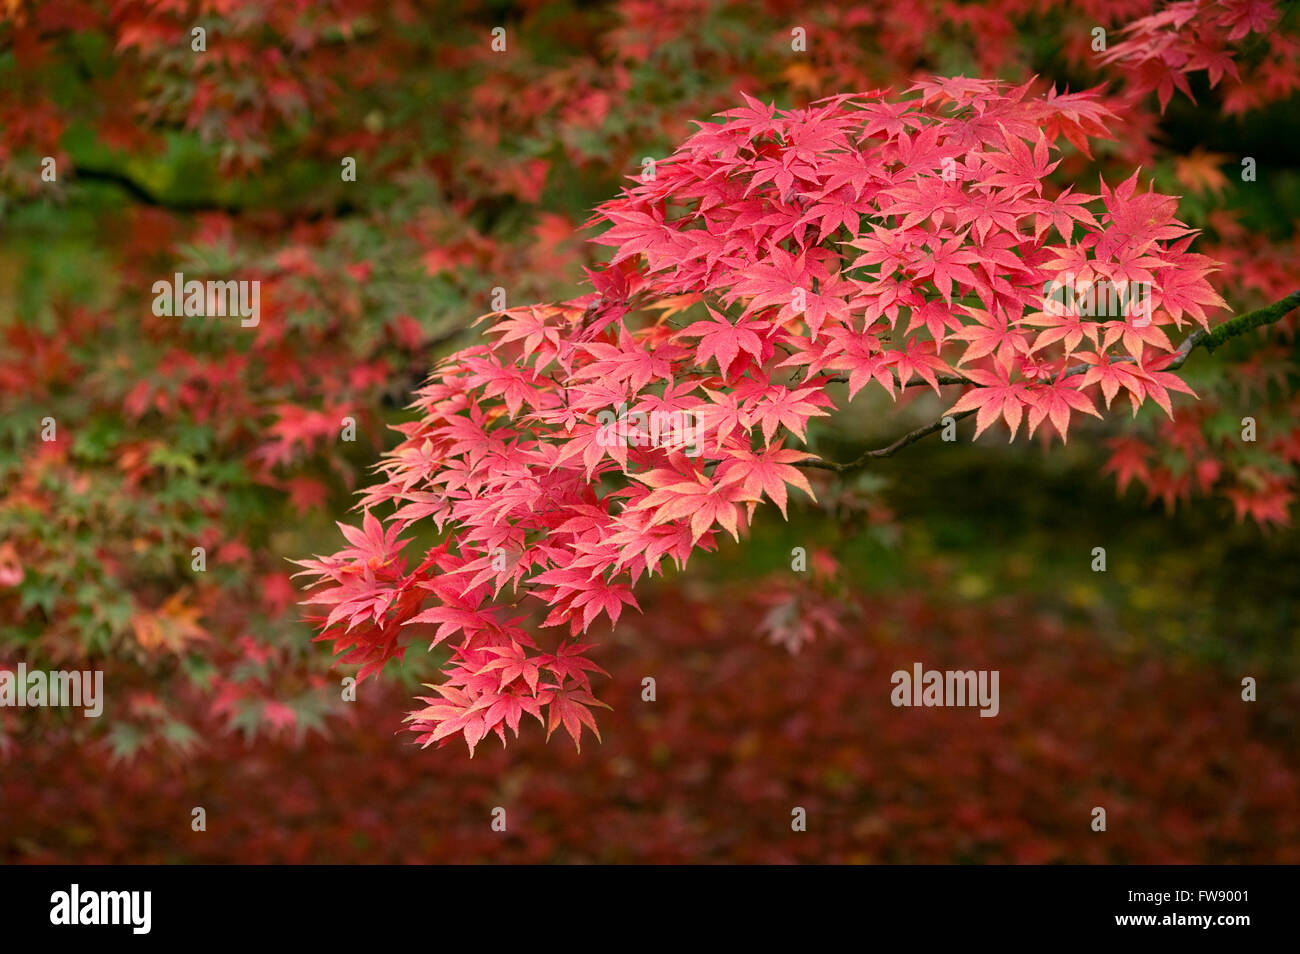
740	734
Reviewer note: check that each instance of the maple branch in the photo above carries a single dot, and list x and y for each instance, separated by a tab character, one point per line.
1212	340
139	193
909	438
1209	340
143	195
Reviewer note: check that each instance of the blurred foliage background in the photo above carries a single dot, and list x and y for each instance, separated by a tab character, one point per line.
475	169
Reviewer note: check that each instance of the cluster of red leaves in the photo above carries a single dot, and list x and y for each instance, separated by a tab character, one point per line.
1249	53
1159	51
738	736
1201	451
865	238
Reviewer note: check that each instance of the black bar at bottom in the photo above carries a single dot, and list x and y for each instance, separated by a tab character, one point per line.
480	904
